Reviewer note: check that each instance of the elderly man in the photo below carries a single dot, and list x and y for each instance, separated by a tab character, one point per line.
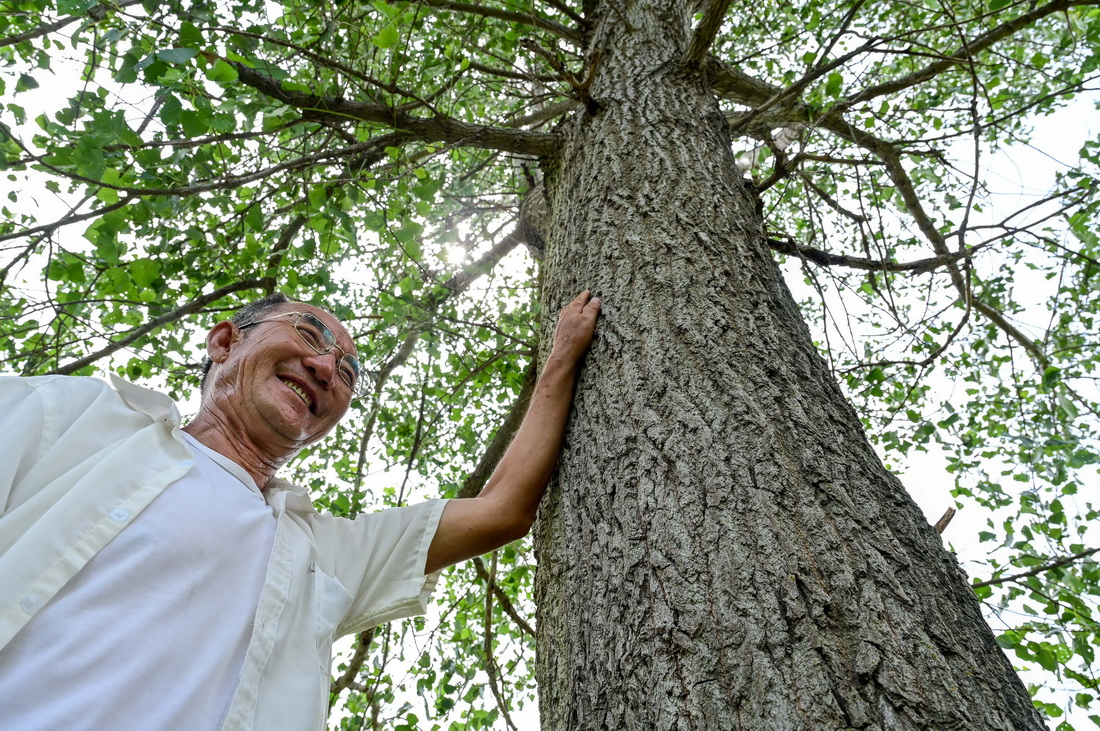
160	576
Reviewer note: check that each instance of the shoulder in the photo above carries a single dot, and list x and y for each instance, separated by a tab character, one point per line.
52	388
61	403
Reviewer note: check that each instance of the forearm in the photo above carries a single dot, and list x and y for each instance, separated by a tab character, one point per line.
519	481
505	509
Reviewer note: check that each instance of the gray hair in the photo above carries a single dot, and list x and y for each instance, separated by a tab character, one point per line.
255	310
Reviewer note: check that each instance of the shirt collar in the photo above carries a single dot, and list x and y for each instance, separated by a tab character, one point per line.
147	401
294	497
160	407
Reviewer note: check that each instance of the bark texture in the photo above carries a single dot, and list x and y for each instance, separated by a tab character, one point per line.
721	548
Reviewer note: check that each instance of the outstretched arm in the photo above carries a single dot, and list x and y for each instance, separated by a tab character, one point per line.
505	509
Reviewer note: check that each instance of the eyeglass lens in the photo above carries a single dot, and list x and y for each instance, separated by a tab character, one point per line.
317	336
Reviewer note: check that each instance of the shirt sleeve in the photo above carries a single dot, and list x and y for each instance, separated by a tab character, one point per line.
380	558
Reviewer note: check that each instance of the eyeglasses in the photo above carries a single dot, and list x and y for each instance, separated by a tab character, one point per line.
317	336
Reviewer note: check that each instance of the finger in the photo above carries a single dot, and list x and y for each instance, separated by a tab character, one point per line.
580	300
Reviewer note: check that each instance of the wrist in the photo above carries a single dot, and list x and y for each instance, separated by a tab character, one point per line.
558	364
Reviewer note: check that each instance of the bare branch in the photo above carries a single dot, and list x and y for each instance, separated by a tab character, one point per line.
794	89
945	519
67	220
1038	569
514	75
844	25
580	88
915	207
491	669
828	259
355	662
545	113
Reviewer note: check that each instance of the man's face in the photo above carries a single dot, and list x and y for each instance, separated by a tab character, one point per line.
276	388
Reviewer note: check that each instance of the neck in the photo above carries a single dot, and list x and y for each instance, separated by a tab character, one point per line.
216	434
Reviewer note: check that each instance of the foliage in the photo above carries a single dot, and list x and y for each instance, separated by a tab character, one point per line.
169	160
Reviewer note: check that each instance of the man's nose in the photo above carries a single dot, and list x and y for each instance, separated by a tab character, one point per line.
323	367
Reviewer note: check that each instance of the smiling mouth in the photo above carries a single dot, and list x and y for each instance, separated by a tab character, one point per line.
301	393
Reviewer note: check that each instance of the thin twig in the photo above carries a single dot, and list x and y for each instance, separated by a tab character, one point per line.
191	307
1038	569
491	669
96	13
505	602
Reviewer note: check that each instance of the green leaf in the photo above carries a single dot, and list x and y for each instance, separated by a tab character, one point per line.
177	55
195	124
387	37
25	83
1051	376
222	73
190	36
107	195
254	219
832	86
144	271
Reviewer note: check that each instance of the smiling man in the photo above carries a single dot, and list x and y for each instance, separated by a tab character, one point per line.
160	576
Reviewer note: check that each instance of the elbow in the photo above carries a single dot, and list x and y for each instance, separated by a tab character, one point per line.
516	528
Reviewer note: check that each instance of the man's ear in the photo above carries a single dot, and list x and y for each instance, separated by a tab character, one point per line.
221	339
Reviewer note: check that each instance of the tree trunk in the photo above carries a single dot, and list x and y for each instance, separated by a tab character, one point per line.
721	548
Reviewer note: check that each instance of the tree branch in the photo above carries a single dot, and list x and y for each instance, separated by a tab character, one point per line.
915	207
438	128
491	669
965	53
750	91
455	285
355	662
550	26
476	480
505	603
825	258
191	307
66	220
705	31
96	13
545	113
1038	569
809	77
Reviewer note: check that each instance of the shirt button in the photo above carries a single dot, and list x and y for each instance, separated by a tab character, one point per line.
30	602
120	515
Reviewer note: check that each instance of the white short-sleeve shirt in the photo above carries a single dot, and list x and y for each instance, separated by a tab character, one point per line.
85	461
152	632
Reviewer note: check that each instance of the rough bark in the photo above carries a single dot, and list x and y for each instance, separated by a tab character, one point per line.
721	548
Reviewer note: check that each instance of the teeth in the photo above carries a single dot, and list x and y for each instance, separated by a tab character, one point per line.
298	390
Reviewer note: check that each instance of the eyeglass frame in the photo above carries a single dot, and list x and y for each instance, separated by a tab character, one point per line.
326	336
